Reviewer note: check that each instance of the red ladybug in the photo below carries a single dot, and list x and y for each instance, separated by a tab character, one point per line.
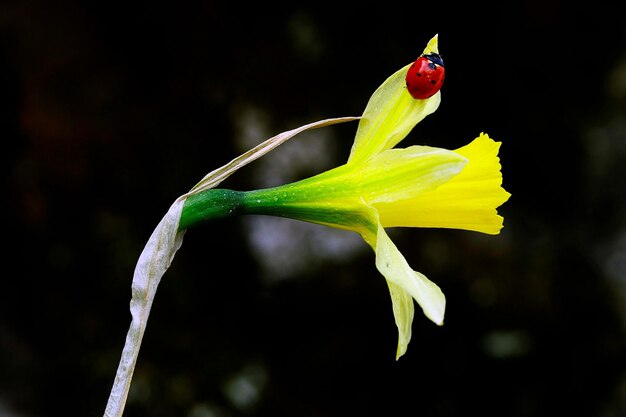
425	77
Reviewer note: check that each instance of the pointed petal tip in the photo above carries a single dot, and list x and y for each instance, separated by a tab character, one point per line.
435	312
433	45
401	351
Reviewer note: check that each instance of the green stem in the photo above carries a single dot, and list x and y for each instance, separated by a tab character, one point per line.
282	201
209	205
221	203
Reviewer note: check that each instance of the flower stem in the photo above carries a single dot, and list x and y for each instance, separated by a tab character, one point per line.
210	205
281	201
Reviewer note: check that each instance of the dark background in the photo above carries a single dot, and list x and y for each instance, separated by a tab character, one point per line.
109	111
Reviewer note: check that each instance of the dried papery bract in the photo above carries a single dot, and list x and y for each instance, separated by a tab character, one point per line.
154	260
157	256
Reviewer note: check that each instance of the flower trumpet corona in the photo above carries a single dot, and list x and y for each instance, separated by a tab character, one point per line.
378	187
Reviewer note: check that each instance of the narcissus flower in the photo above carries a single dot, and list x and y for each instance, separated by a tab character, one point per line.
381	186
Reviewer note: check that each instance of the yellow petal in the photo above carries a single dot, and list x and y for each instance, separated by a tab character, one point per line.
403	311
433	45
397	174
403	280
391	114
468	201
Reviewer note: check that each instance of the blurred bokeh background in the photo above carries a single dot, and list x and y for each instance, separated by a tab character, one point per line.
111	110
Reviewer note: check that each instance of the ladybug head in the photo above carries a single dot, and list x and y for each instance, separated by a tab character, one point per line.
435	58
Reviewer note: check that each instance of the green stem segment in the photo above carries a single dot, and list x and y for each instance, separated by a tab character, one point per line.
282	201
209	205
221	203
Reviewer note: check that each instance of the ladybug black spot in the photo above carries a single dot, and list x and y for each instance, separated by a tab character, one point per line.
419	74
433	82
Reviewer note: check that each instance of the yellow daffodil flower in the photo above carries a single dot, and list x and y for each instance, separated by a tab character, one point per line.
381	186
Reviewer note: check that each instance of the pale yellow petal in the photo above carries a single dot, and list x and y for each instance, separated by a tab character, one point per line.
403	311
432	46
391	114
394	267
398	174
